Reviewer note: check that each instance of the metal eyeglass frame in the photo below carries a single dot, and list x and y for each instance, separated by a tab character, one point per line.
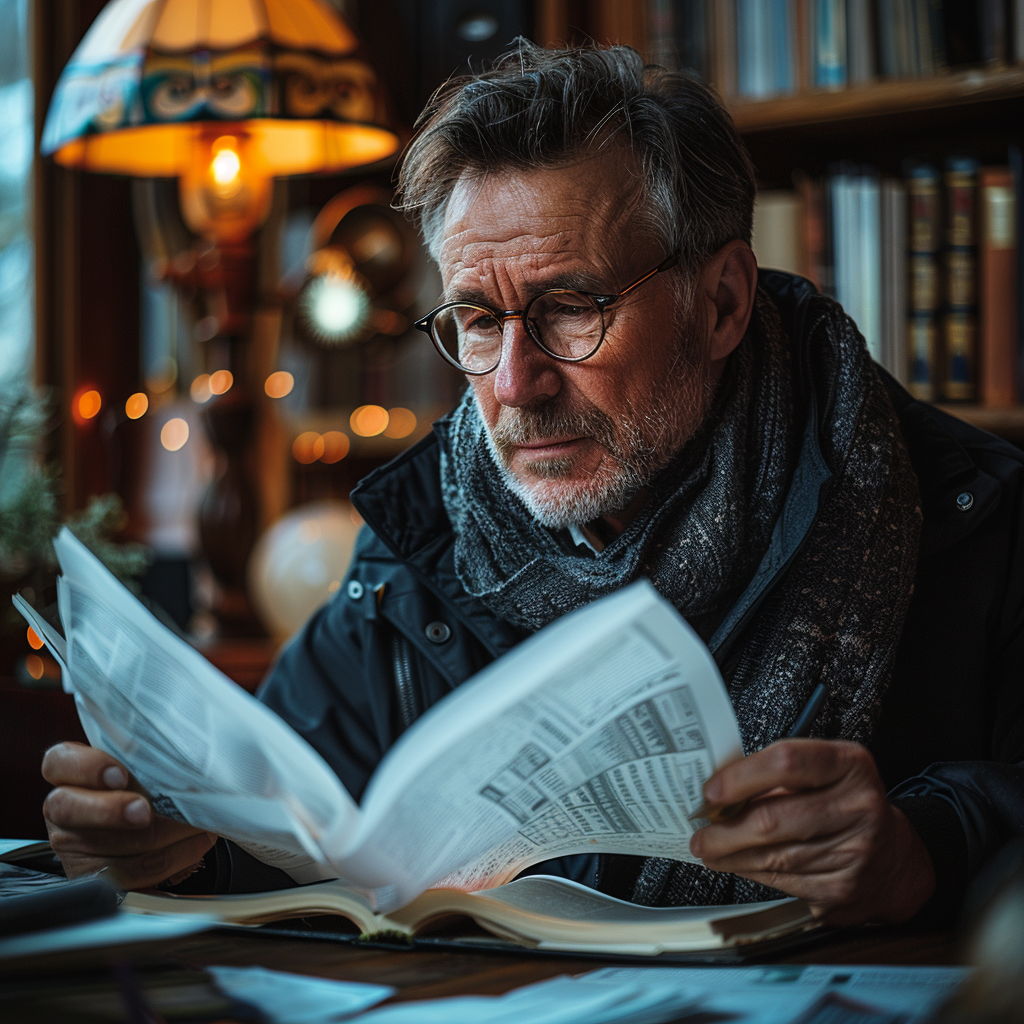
426	324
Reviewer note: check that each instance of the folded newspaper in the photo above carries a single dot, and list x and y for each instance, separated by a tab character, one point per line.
595	735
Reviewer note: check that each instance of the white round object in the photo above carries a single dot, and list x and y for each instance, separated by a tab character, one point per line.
299	563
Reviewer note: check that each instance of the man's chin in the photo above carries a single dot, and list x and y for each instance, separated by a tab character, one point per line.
561	502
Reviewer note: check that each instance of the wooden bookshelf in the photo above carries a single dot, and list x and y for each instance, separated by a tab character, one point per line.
881	99
1007	423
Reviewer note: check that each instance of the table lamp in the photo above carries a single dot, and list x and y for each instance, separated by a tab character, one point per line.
225	96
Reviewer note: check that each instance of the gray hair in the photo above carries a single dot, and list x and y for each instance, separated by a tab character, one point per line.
543	108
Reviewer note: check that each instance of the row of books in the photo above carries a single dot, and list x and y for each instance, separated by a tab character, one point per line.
928	265
760	48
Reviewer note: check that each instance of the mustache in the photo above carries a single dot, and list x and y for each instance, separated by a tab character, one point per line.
549	421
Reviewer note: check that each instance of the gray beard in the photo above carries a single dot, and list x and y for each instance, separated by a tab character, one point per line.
642	444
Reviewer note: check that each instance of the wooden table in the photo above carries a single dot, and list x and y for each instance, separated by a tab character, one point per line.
433	974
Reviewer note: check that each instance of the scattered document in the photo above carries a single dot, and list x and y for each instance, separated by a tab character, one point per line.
121	930
561	1000
297	998
781	994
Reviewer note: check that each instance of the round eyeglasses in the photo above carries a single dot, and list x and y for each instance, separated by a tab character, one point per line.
567	325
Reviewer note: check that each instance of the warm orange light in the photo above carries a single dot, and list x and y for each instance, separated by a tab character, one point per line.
89	404
226	164
336	446
34	665
308	447
33	639
174	434
279	384
136	405
221	381
200	389
369	420
401	422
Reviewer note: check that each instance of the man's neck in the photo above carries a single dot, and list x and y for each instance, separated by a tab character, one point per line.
602	531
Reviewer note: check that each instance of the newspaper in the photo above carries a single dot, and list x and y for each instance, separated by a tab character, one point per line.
595	735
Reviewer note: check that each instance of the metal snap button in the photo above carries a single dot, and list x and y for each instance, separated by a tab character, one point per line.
437	632
355	589
964	501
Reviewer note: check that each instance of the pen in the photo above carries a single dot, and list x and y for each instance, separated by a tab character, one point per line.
801	727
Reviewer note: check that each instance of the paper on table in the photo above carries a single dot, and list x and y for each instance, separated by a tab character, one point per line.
776	995
296	998
561	1000
121	930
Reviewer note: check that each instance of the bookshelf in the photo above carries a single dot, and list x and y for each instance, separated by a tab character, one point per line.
964	108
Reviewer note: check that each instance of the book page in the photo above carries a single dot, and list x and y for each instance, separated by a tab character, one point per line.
595	735
206	751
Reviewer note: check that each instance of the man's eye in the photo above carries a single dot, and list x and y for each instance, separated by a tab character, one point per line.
481	323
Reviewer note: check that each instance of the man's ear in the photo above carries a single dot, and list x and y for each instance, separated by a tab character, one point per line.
728	284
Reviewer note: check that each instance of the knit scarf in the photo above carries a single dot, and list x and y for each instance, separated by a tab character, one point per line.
836	614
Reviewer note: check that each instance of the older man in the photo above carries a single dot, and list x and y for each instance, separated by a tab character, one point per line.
642	403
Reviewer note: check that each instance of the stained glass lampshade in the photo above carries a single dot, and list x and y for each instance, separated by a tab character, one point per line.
222	94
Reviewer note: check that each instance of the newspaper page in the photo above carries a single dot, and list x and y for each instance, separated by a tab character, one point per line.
205	751
596	735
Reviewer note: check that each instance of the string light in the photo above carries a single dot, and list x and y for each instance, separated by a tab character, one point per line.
369	420
336	446
136	405
87	405
279	384
401	422
221	381
174	434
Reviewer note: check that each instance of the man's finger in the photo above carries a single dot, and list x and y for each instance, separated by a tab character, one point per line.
75	764
74	808
796	764
792	818
158	865
103	842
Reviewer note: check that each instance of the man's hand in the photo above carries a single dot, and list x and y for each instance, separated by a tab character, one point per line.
96	818
818	826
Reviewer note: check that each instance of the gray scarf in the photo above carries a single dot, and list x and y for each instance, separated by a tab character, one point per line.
836	615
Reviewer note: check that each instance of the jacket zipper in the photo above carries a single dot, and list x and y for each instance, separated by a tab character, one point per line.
408	705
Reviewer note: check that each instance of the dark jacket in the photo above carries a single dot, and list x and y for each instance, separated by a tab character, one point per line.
402	632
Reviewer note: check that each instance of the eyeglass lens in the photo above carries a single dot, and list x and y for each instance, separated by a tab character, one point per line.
568	325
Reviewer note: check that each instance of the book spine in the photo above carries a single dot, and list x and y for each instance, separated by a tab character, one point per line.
800	12
812	213
869	244
1018	31
999	303
992	31
723	34
925	59
860	45
830	44
783	76
893	282
937	33
1016	156
661	33
886	39
690	36
923	201
959	379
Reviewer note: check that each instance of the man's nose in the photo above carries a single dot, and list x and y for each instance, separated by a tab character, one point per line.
524	372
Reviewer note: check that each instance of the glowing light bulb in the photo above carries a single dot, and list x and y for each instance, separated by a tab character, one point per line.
336	308
225	167
136	405
174	434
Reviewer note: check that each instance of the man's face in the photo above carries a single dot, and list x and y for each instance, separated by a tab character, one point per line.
576	440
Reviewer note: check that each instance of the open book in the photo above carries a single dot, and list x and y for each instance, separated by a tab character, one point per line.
595	735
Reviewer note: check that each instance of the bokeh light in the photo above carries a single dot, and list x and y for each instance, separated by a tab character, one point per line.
200	389
136	405
336	446
34	666
335	308
88	404
221	381
308	447
401	422
34	640
279	384
369	420
174	434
